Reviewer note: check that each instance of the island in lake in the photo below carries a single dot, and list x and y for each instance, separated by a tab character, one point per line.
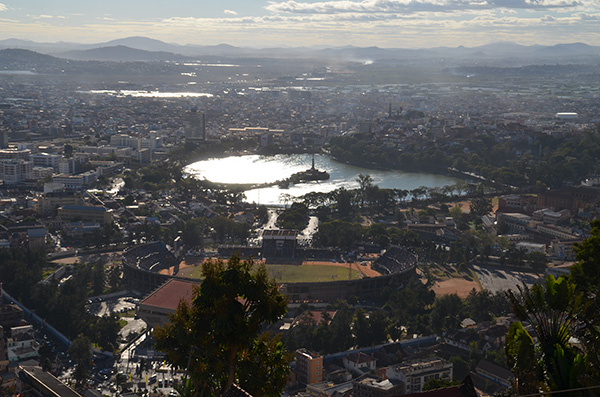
311	174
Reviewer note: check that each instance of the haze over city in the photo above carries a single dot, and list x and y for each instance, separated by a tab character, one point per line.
386	198
383	23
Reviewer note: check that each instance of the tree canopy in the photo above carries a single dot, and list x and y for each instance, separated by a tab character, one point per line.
557	313
218	338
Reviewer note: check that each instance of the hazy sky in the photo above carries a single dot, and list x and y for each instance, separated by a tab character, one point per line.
259	23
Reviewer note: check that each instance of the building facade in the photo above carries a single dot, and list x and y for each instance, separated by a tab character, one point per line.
309	367
414	374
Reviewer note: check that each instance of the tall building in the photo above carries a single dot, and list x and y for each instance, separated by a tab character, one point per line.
309	367
195	125
15	171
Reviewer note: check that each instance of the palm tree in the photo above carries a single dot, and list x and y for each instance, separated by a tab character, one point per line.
554	311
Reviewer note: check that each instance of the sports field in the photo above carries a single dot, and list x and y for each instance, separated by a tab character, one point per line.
294	274
311	274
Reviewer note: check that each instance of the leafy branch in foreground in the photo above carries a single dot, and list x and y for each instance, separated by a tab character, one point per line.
218	339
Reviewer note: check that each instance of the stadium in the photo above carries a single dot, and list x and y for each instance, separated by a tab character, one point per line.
301	278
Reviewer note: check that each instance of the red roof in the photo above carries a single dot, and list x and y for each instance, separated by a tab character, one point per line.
169	294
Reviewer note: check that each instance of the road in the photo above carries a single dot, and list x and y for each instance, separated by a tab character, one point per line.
271	223
111	306
305	237
495	279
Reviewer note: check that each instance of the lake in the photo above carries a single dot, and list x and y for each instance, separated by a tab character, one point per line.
264	169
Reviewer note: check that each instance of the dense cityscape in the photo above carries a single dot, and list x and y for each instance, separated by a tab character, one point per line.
251	224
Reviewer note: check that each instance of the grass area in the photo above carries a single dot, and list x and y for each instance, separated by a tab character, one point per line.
46	271
295	274
311	274
122	323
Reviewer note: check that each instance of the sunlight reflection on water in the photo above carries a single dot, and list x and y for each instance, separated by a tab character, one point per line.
265	169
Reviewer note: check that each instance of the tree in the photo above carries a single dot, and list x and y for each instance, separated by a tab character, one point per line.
120	381
556	312
295	217
114	278
433	384
365	183
537	260
338	234
481	206
447	313
214	337
81	351
343	200
585	274
362	329
68	151
267	360
106	332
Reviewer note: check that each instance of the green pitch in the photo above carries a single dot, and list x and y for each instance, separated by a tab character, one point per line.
294	274
310	274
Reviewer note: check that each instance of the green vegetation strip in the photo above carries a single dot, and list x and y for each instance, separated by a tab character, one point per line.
296	274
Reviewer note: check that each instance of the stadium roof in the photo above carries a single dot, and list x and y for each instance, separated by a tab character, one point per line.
169	294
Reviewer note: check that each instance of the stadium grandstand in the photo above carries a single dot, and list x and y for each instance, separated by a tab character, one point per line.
396	260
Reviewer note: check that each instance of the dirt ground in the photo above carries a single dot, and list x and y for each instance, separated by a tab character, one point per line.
458	286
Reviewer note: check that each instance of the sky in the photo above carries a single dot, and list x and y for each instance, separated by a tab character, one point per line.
294	23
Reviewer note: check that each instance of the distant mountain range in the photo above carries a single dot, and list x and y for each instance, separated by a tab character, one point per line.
146	49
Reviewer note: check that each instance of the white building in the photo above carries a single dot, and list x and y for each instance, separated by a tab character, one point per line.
21	344
414	374
529	247
76	182
42	172
46	159
15	171
359	362
11	154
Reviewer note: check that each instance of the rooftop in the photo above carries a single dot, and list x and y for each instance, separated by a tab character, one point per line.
171	293
280	233
84	208
48	381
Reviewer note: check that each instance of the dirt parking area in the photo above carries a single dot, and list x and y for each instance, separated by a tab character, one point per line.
458	286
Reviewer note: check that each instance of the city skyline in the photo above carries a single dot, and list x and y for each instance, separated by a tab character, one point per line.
383	23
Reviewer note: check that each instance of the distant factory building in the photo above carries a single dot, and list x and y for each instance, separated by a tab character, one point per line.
195	125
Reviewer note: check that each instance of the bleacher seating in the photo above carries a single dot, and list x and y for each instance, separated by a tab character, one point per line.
151	256
396	260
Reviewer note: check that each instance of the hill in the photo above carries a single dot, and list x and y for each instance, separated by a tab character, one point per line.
121	53
147	49
19	59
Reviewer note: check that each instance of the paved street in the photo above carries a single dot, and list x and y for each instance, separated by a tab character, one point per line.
110	306
305	237
494	279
